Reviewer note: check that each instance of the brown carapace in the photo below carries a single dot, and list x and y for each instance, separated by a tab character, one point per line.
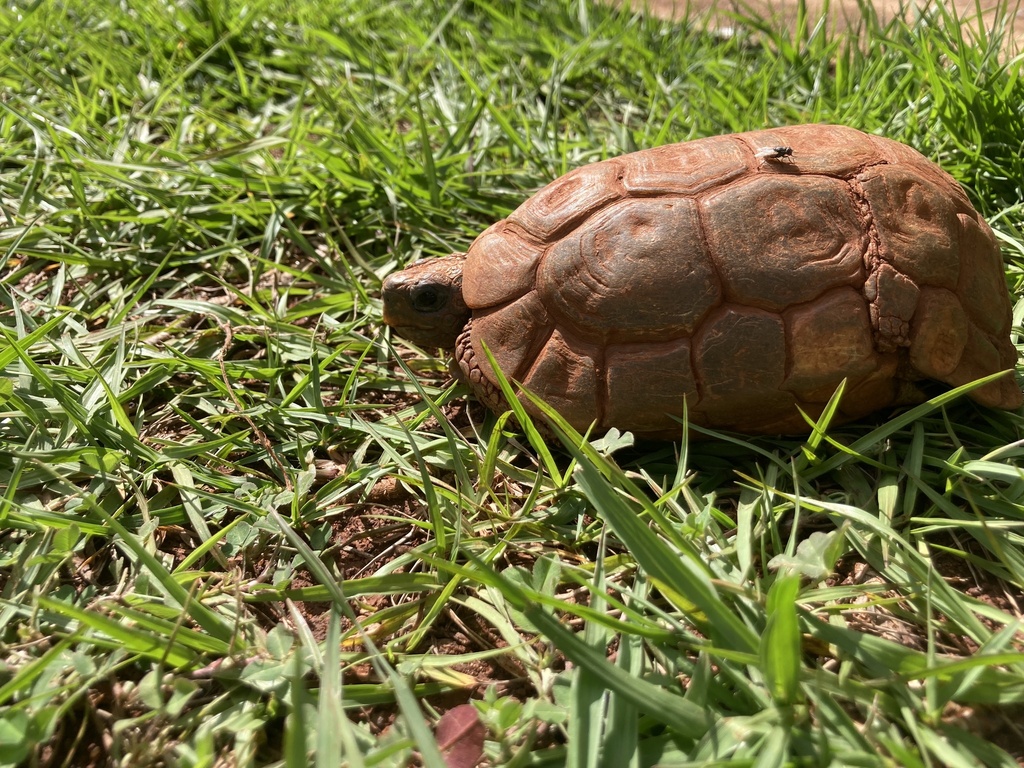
750	289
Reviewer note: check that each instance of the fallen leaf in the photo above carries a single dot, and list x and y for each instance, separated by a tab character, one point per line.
460	735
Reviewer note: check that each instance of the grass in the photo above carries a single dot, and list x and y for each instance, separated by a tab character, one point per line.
241	526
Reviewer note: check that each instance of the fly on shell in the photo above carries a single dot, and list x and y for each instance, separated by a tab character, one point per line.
774	153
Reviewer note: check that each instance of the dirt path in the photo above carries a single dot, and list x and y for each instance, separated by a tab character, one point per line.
840	11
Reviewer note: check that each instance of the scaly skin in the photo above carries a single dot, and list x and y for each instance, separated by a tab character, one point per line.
424	303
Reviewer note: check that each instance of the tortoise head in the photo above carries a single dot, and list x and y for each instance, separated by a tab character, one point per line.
424	303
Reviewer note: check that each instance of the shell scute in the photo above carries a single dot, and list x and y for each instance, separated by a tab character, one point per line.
501	266
830	150
901	155
629	370
984	358
559	207
514	333
828	340
939	333
683	169
780	240
878	389
893	301
611	280
740	356
982	278
565	377
916	223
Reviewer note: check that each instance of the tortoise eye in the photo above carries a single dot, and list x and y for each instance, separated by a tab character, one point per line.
427	298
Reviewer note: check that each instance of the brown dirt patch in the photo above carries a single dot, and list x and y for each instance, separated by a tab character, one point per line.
843	14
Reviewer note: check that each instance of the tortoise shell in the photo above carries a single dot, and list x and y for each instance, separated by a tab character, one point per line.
748	282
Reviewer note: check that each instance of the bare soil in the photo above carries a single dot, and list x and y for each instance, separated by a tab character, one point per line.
843	14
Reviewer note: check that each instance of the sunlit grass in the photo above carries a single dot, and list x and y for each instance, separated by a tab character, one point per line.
242	526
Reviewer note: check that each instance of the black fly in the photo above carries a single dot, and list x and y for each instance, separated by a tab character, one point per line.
774	153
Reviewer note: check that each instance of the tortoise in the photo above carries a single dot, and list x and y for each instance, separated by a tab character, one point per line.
749	286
